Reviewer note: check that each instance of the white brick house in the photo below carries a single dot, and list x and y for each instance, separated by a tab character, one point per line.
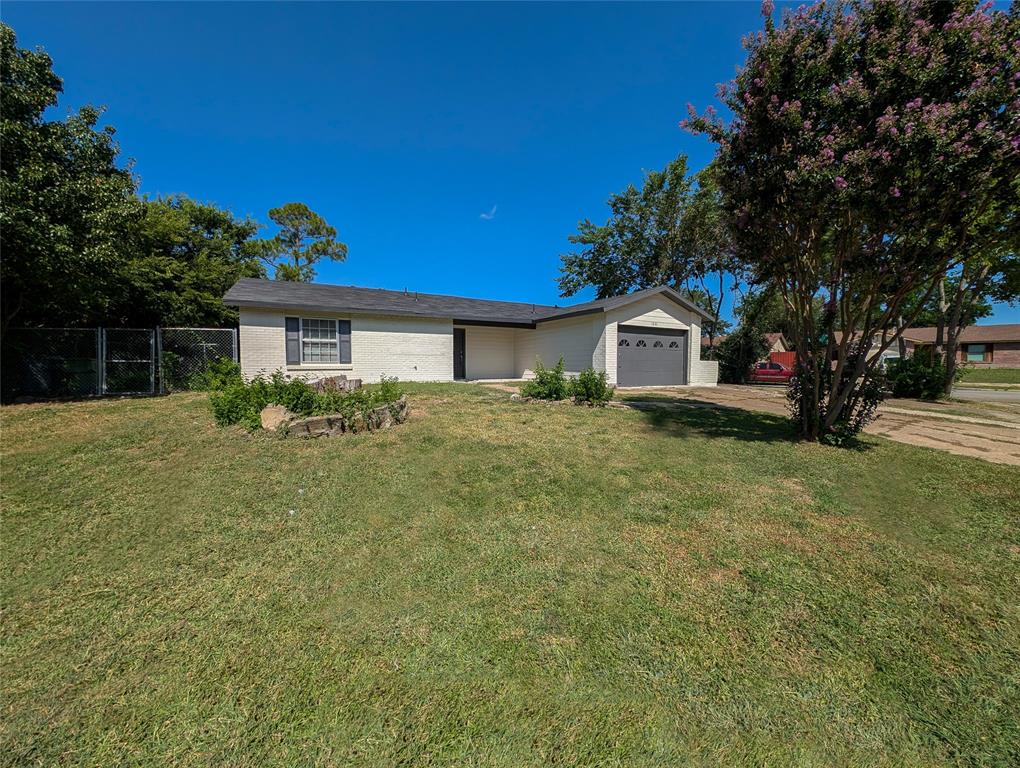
648	338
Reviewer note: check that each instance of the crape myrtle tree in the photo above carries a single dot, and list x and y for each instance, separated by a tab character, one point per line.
672	232
872	148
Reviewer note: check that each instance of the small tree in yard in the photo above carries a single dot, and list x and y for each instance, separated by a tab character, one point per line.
873	148
304	239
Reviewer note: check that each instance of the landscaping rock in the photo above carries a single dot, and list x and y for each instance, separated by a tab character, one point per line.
275	416
335	384
382	417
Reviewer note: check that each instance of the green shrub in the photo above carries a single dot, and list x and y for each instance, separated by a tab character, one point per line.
591	387
917	377
738	353
548	384
240	403
216	376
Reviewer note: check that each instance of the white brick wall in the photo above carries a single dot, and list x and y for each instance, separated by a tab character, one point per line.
660	312
412	349
575	339
489	352
705	374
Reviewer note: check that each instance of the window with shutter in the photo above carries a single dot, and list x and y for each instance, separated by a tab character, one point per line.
292	326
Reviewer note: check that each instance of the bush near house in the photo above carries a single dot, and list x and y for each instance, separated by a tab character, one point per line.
241	403
591	387
548	384
216	376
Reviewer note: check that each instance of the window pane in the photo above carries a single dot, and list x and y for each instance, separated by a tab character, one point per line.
976	353
320	352
319	329
319	343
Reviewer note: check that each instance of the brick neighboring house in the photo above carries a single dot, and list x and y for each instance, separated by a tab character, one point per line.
982	346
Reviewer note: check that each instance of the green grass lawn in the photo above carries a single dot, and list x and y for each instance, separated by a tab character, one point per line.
500	584
991	376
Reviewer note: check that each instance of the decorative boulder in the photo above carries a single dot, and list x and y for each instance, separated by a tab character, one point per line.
275	416
335	384
381	417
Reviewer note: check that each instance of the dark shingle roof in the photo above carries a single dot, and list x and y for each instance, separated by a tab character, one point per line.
252	292
971	334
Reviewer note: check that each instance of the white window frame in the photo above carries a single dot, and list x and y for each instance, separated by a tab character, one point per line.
335	341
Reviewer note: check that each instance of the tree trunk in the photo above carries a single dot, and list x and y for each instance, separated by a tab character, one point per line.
968	289
940	329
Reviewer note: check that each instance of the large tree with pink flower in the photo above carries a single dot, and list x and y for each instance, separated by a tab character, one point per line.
872	147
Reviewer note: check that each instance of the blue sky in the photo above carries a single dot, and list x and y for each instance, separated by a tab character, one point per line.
453	146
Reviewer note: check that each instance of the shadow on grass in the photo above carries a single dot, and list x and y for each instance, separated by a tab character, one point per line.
684	417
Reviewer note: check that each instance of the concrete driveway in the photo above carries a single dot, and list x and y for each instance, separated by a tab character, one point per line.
983	430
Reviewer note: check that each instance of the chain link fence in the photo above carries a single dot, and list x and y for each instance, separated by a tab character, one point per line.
185	354
93	362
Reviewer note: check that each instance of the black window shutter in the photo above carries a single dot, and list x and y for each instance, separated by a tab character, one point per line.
293	325
344	328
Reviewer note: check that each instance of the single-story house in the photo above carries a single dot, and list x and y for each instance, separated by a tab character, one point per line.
647	338
889	354
983	346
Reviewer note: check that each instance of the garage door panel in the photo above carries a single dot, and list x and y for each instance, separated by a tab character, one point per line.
651	357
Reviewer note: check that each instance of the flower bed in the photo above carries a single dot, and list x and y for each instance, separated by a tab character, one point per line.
294	400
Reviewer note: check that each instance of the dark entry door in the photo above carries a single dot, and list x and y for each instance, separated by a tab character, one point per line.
648	357
459	368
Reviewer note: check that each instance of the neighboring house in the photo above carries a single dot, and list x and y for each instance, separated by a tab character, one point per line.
777	342
983	346
651	337
892	352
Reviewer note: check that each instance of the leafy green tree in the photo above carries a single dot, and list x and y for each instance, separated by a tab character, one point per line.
181	258
670	232
65	206
740	350
964	296
304	239
873	149
715	325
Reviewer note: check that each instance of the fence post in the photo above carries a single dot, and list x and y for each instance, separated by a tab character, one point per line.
152	362
159	359
101	332
234	332
99	363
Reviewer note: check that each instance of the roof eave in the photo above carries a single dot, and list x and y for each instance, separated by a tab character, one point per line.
341	310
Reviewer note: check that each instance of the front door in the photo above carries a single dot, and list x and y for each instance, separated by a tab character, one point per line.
459	368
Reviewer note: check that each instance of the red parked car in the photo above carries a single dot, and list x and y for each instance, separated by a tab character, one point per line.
771	373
